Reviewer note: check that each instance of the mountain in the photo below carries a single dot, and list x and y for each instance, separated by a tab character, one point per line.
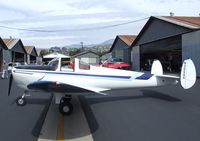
108	42
100	48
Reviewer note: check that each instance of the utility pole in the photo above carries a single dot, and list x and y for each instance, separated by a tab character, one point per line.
81	46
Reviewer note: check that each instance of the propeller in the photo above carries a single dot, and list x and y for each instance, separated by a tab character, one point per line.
10	84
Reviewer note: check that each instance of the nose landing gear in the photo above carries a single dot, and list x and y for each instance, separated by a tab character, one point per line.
21	101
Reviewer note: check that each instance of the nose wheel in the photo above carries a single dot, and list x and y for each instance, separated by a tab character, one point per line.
65	106
20	101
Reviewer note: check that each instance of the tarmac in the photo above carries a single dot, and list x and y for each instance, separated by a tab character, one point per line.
162	113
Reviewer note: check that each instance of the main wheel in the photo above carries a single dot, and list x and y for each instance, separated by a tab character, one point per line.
21	101
66	108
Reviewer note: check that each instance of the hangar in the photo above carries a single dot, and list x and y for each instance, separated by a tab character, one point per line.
31	54
17	52
88	57
39	56
3	47
121	47
171	39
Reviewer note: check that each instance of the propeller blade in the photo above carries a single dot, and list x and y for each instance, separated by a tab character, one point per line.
10	84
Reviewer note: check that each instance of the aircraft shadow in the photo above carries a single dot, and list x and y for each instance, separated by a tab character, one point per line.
87	102
159	95
38	126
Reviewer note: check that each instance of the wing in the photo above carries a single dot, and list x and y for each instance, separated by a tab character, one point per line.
49	86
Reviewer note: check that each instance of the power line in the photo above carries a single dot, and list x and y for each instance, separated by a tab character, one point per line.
80	29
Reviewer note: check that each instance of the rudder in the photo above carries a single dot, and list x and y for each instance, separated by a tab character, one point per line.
188	74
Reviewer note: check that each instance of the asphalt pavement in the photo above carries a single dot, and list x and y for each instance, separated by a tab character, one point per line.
166	113
150	114
21	123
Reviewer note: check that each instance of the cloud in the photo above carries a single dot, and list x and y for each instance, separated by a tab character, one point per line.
83	14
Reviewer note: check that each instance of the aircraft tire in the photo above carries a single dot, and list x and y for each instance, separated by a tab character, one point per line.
20	101
66	108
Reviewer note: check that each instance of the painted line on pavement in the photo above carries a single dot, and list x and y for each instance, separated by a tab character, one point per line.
60	129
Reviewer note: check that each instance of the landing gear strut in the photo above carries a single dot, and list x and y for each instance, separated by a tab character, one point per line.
21	101
65	107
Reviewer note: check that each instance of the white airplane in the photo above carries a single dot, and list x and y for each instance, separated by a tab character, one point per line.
54	79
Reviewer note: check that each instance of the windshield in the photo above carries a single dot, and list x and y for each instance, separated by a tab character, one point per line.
54	63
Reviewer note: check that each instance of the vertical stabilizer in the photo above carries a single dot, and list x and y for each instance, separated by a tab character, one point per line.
188	74
157	68
76	64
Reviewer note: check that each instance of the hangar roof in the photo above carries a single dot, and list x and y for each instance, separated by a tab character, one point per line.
31	50
128	39
85	53
11	44
2	44
189	24
38	52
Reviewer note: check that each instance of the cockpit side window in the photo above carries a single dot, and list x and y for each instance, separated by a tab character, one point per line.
83	65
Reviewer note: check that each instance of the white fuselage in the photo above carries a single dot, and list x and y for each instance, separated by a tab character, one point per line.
96	79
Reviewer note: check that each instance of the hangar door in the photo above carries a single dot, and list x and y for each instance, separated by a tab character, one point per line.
18	57
167	50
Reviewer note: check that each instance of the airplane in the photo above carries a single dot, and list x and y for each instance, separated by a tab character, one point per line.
54	79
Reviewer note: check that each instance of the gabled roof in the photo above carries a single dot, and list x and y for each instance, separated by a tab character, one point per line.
38	51
29	49
3	44
127	39
191	23
11	42
85	52
188	22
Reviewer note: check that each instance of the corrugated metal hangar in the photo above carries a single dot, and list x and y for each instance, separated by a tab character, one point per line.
31	54
17	52
89	57
121	47
170	39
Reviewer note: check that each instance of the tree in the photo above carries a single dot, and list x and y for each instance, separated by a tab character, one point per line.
44	52
74	52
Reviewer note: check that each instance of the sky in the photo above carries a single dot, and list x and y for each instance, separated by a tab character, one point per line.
48	23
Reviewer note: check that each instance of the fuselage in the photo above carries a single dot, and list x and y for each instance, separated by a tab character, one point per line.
96	78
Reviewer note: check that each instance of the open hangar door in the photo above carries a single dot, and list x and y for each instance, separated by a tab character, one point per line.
18	57
168	51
